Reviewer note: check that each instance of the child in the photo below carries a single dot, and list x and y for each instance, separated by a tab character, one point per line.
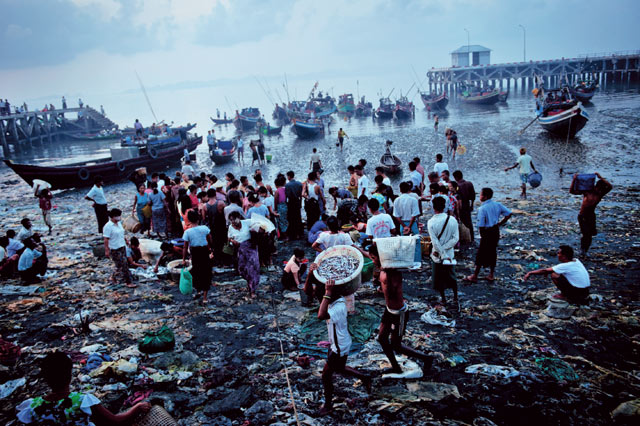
44	197
134	255
294	270
333	309
61	406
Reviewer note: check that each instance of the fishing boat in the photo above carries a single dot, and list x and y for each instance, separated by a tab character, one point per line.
584	90
389	162
269	130
155	155
503	96
219	121
473	95
559	113
363	109
247	119
158	129
280	114
404	108
386	109
222	151
346	105
307	129
434	101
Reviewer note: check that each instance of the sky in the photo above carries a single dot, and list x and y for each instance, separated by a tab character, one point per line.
93	47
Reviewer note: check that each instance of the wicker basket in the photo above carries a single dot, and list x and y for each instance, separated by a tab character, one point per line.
157	416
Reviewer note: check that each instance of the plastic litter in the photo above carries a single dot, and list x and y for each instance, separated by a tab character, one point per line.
492	370
434	318
557	368
9	387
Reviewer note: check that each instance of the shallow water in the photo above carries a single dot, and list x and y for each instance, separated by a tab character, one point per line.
608	144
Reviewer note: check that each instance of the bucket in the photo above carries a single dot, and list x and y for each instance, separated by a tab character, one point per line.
131	224
269	157
535	179
175	267
348	285
396	252
367	270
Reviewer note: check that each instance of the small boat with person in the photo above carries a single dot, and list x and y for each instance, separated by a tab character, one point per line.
269	130
219	121
435	101
559	113
389	162
223	151
584	90
247	119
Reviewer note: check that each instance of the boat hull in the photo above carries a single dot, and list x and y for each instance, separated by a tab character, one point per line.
219	121
83	174
270	131
481	100
402	114
437	103
245	123
221	159
565	124
307	130
384	115
583	97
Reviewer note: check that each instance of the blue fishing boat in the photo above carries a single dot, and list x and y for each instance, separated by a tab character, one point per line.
307	129
222	151
247	119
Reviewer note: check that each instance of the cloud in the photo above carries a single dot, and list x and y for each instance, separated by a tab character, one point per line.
16	31
106	9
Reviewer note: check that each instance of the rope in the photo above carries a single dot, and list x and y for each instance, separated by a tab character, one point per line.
286	370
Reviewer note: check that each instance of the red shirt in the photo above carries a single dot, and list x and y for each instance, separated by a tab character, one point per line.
194	200
45	201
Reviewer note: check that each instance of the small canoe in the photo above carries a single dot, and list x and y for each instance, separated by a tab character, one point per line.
270	131
480	98
223	151
219	121
389	162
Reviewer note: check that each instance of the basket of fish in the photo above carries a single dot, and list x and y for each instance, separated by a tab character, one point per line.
342	264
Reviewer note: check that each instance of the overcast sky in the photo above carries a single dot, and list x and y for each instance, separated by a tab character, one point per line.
93	46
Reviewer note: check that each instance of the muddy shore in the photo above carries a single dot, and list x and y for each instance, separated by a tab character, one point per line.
227	354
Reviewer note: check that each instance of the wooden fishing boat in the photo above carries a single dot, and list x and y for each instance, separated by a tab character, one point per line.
247	119
503	96
219	121
389	162
280	114
386	109
584	90
307	129
118	166
472	95
434	101
130	131
364	109
559	113
269	130
223	151
404	108
346	105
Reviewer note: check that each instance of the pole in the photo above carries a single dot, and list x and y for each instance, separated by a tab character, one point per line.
468	48
524	42
146	97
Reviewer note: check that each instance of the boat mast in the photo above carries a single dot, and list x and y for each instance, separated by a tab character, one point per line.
146	97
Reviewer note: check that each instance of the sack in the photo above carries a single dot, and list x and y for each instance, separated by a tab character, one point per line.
535	179
585	182
161	340
146	211
396	252
464	233
157	416
186	282
228	249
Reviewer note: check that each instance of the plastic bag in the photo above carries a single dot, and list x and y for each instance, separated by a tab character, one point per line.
434	318
186	282
492	370
157	341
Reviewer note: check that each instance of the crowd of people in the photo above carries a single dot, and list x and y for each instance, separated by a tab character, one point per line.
232	222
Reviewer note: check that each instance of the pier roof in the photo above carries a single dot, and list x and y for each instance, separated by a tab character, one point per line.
471	48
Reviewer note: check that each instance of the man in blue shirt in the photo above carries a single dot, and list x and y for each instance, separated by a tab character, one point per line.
489	224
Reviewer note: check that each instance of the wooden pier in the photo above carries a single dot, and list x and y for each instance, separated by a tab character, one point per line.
619	67
18	130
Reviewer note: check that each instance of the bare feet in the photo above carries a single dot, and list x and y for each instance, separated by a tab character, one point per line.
131	285
490	278
471	278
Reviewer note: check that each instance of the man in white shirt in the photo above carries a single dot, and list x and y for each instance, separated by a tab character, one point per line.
187	170
26	231
569	276
32	262
385	178
415	177
333	309
115	247
96	195
363	183
443	230
379	225
440	166
526	165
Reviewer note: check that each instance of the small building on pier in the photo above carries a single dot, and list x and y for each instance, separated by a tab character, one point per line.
480	55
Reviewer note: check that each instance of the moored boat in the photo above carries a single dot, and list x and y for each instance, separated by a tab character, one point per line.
222	151
559	113
307	129
280	114
386	109
389	162
102	136
363	109
434	101
346	104
404	108
503	96
584	90
118	166
475	96
269	130
247	119
219	121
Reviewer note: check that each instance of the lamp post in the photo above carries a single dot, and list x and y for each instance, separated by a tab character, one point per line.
468	48
524	34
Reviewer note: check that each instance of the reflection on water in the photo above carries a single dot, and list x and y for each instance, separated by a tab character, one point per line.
608	143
